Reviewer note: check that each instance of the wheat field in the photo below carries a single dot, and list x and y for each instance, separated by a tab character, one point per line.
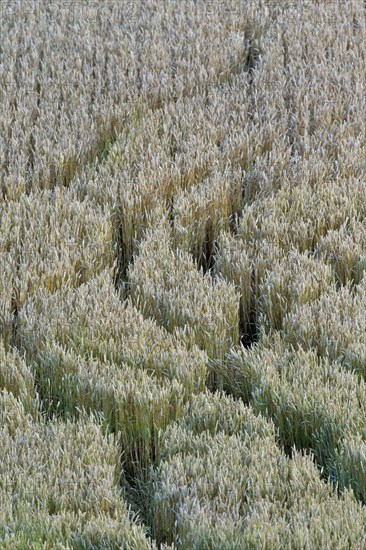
183	274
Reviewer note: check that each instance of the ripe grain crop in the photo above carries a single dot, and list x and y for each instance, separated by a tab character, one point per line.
165	283
314	402
17	378
62	488
182	286
333	325
92	321
211	489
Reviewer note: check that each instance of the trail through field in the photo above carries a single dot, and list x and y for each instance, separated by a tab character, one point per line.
182	291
